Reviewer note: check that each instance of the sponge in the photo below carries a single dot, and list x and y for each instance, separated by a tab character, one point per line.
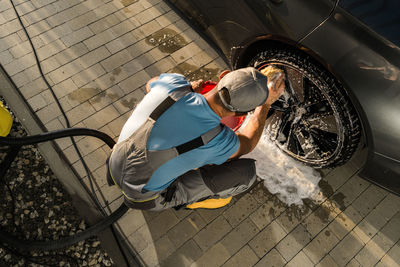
271	72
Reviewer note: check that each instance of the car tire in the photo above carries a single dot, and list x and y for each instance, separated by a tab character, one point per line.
314	121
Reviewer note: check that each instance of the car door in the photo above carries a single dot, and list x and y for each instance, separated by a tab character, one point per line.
234	23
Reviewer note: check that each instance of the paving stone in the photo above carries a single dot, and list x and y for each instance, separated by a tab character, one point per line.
129	102
212	233
116	60
184	256
77	36
83	20
164	248
389	206
327	261
345	222
103	24
150	256
347	248
94	57
71	53
239	236
86	76
64	88
100	39
80	113
162	66
349	191
320	246
55	33
209	215
37	102
317	220
370	225
245	257
50	49
102	117
20	64
354	263
117	124
392	258
135	81
96	158
292	217
162	223
48	113
20	50
89	144
141	238
213	257
65	72
266	213
240	210
293	242
148	15
300	259
267	239
186	229
272	259
125	26
369	199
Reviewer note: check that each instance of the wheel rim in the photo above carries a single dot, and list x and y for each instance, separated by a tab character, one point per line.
303	122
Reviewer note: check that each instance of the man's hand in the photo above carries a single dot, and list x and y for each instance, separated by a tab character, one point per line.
197	86
276	88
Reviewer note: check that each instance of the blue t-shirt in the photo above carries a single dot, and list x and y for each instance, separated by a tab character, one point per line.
187	119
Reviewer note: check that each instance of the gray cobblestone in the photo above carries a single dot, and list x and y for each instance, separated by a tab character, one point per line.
239	236
320	245
347	248
294	242
20	50
327	261
273	258
162	223
240	210
267	239
184	256
77	36
345	222
213	257
186	229
88	75
212	233
245	257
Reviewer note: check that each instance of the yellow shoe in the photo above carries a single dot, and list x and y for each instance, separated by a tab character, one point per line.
5	121
212	203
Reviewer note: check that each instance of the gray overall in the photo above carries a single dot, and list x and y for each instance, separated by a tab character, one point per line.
131	165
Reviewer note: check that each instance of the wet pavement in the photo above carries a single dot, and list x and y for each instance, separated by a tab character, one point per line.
98	55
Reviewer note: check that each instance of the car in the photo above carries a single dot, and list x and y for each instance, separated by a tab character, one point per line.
341	59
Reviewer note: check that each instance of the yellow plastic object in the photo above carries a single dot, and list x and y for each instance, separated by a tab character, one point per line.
5	120
210	203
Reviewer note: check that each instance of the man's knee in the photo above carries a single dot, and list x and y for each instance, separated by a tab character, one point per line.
235	173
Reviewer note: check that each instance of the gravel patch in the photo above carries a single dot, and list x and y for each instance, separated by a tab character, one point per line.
34	206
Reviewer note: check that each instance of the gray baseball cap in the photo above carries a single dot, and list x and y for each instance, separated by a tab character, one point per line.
247	89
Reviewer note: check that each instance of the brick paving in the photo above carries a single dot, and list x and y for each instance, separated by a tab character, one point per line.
98	54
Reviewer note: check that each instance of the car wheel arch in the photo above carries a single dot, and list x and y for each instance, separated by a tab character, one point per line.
242	57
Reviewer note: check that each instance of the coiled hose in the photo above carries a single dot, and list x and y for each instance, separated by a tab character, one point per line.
17	142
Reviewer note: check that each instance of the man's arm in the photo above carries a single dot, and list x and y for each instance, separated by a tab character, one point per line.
251	133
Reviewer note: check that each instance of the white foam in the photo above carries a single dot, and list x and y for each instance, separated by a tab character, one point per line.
289	179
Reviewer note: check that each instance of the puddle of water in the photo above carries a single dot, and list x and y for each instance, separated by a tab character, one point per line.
289	179
193	73
167	40
83	94
128	2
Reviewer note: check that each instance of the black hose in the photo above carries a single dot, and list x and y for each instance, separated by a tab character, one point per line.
65	241
48	136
